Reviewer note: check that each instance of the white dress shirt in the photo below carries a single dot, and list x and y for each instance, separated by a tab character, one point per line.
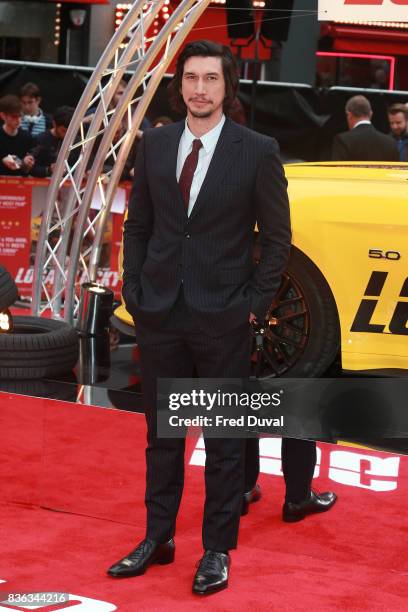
209	142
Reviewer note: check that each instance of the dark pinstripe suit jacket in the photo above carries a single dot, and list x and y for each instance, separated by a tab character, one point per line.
210	252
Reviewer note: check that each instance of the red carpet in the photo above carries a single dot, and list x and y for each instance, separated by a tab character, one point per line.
89	463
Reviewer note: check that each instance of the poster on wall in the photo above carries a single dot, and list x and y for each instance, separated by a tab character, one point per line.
22	205
15	224
363	10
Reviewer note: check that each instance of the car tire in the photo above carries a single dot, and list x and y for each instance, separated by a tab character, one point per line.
302	330
37	348
8	289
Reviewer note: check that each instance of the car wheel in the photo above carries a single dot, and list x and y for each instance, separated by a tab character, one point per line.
38	348
8	289
301	332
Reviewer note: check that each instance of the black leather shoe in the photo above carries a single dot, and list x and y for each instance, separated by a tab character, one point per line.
147	553
212	573
251	497
321	502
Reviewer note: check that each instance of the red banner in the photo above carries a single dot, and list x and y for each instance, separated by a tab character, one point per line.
15	224
22	203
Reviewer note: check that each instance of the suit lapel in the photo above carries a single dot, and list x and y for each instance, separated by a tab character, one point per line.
170	159
227	148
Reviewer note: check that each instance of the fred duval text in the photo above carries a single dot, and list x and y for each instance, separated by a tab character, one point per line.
248	420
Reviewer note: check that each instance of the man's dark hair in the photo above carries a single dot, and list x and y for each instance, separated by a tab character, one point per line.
205	48
11	105
63	115
359	106
31	90
398	108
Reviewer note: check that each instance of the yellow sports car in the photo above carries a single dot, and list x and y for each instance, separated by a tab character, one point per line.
346	286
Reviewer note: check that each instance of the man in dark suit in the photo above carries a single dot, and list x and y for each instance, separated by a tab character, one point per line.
362	142
190	283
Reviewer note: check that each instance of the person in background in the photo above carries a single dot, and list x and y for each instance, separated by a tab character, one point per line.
362	142
237	112
120	89
160	121
398	120
15	143
381	79
115	101
49	143
35	121
129	169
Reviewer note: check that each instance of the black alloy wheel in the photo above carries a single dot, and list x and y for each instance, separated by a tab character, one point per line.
300	336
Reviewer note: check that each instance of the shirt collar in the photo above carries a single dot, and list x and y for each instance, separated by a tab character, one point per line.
34	118
208	140
362	122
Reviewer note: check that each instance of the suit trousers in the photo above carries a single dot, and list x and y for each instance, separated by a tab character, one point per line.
174	350
298	464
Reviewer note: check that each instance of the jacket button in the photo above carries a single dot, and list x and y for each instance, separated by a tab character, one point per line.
187	235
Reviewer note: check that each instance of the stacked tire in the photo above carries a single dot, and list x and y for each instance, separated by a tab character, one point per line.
8	289
36	347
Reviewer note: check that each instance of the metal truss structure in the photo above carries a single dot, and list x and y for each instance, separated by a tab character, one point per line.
71	234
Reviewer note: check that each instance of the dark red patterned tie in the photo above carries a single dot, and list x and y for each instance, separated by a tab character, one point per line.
187	173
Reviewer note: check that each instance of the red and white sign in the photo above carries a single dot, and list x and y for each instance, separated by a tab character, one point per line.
366	10
351	467
15	224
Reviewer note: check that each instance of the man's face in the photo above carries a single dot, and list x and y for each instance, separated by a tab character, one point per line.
60	131
11	120
30	105
203	86
398	123
117	95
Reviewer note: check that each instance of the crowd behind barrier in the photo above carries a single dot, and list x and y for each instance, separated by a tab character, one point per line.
303	119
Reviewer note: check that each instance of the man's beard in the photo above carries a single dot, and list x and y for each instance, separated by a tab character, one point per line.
201	114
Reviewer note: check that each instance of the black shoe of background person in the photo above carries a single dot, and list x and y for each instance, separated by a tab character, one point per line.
317	502
250	497
212	573
147	553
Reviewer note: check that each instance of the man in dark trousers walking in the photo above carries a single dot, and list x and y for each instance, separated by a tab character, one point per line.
362	142
190	283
